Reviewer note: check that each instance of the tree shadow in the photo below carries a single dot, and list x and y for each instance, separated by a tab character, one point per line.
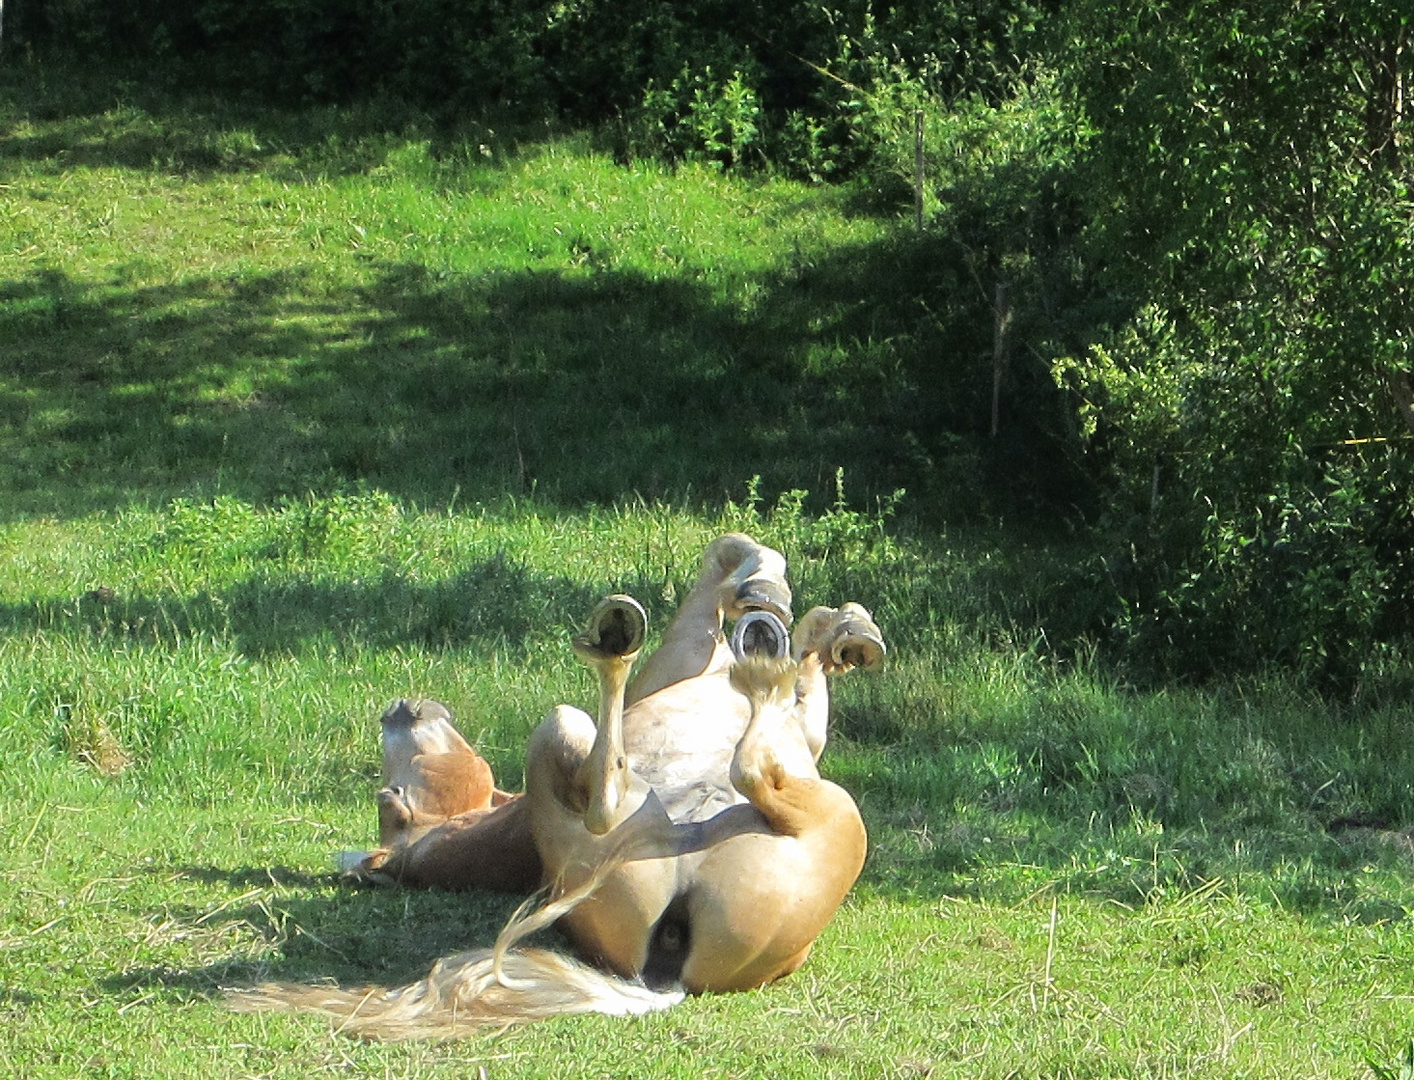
581	386
320	928
109	116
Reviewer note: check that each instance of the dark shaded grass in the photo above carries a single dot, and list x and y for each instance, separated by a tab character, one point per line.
105	116
590	388
585	374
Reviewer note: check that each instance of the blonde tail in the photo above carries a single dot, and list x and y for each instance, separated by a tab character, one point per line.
478	990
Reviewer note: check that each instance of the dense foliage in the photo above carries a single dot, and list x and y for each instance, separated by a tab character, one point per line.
694	77
1200	217
1251	201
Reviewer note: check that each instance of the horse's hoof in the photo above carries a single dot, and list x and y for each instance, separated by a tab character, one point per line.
857	641
617	626
765	594
843	638
755	580
760	633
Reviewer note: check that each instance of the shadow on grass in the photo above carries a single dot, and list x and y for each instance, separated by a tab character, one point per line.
586	384
580	386
321	929
494	603
112	117
326	929
583	389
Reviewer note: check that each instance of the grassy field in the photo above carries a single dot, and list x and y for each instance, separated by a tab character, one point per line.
300	414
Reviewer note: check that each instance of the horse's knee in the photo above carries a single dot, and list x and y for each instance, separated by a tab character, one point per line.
553	757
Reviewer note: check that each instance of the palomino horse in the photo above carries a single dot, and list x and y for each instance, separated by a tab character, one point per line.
686	836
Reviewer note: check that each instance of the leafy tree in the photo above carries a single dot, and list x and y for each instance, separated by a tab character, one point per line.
1250	196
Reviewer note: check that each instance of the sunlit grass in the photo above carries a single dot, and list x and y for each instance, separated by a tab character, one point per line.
237	658
414	321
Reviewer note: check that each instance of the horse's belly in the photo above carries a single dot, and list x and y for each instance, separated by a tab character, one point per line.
681	741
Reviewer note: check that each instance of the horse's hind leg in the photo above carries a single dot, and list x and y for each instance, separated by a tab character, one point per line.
738	575
758	900
612	927
577	771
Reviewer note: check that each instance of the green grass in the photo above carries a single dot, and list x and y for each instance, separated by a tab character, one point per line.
432	323
300	414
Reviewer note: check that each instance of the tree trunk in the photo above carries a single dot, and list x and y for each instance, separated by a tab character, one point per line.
1001	346
1386	101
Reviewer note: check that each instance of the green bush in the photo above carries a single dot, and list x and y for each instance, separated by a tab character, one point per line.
1241	202
715	79
698	117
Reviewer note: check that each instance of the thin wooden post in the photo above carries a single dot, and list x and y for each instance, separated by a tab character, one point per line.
918	168
1401	389
1001	345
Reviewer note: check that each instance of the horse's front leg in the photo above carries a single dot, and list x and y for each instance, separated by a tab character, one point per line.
828	642
590	813
737	575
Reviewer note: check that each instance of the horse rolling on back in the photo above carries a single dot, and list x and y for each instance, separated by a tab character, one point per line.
684	837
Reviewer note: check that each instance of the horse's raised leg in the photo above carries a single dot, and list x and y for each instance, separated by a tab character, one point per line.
577	772
827	642
738	575
842	638
759	899
588	807
609	644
